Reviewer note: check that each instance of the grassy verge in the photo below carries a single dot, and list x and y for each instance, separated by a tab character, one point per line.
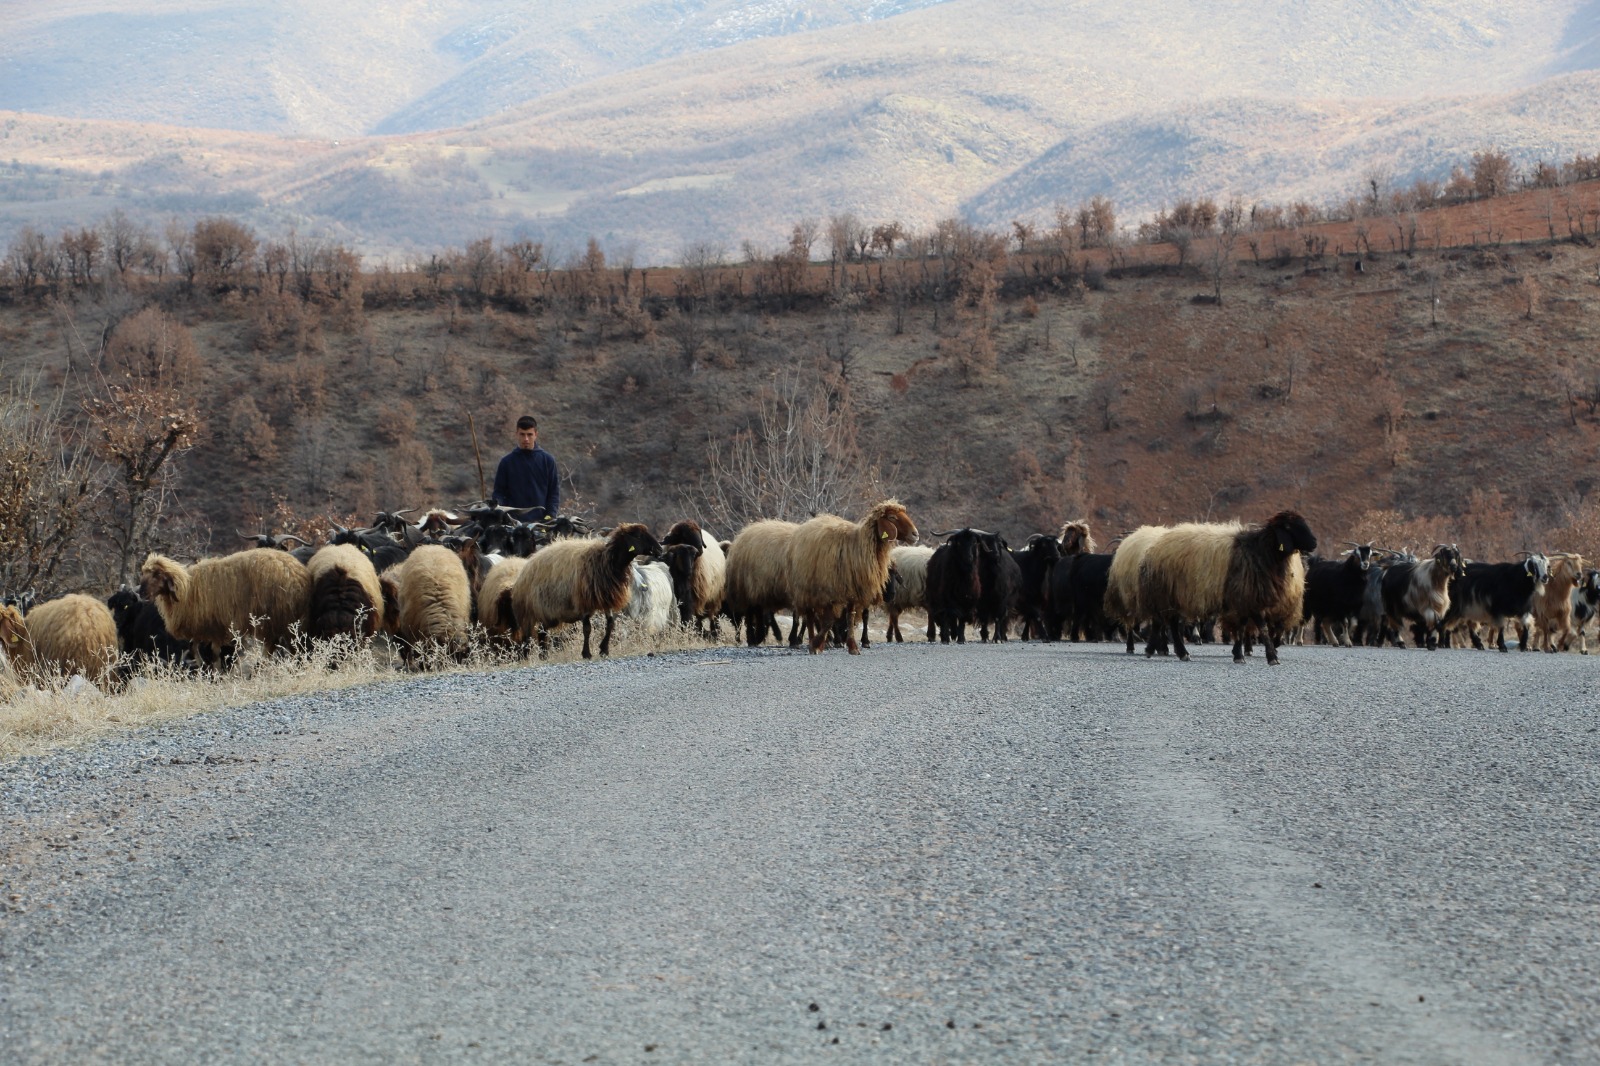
35	717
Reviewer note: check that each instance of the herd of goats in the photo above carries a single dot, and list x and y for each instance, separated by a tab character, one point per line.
440	584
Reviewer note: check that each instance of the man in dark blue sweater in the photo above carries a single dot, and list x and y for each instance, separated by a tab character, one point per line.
527	476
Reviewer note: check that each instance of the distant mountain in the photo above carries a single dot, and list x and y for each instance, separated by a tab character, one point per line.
662	124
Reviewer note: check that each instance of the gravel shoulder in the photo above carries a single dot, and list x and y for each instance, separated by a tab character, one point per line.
925	854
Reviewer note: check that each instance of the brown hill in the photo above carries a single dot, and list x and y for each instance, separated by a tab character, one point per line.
1450	393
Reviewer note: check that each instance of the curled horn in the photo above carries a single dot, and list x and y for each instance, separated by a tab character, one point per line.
1520	555
944	532
294	537
247	536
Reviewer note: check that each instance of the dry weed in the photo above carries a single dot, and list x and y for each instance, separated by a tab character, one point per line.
34	718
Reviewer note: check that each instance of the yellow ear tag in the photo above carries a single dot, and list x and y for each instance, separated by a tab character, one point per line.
1282	548
631	549
882	535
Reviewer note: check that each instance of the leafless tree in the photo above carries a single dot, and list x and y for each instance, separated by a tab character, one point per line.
802	456
48	483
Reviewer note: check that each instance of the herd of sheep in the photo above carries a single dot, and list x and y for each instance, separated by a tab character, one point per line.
438	585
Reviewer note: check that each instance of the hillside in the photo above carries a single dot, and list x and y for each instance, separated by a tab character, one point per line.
1344	391
655	127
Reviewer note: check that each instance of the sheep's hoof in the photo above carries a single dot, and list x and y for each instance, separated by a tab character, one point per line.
1273	662
854	650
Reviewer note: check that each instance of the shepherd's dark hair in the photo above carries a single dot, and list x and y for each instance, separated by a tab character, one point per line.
527	422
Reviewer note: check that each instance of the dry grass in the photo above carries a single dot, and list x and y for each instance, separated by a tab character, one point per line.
36	718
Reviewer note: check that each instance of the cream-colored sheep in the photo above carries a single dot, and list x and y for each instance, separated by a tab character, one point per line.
573	580
261	593
429	598
71	635
838	568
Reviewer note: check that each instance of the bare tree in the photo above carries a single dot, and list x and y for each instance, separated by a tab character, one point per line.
802	456
137	428
48	482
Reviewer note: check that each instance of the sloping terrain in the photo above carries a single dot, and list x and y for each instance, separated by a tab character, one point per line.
657	126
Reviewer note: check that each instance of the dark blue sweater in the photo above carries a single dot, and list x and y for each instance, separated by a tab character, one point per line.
529	479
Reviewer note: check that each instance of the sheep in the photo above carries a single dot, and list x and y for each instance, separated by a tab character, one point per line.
1122	604
428	601
494	599
706	569
259	592
346	598
838	568
651	599
1076	539
1419	592
910	588
1552	612
71	635
1245	576
572	580
757	579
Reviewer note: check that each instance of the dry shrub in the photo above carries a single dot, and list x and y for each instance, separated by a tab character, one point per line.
251	437
396	422
152	348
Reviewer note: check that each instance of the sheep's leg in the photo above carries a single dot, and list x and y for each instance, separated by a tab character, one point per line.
820	627
605	641
1269	644
1132	631
586	628
1178	647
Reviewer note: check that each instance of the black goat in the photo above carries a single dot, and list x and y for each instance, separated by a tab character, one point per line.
1335	592
955	583
1492	593
141	633
1078	597
1037	563
999	578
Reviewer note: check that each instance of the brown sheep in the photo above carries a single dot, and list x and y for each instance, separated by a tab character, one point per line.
346	598
1122	582
71	635
758	579
573	580
838	568
1249	577
260	592
494	599
704	566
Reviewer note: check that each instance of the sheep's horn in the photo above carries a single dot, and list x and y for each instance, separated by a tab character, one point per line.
296	537
943	532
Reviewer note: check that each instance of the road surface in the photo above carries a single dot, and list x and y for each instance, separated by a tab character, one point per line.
925	854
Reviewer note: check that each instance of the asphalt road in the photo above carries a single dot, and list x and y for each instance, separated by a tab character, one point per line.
925	854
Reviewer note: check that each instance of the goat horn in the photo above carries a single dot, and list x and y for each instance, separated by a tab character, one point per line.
943	532
294	536
247	536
